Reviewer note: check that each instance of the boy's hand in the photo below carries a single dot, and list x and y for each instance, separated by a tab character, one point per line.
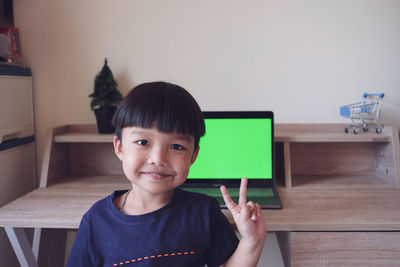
247	215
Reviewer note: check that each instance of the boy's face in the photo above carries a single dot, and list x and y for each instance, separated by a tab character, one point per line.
155	162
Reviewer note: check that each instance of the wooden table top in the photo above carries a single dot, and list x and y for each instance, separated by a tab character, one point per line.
334	203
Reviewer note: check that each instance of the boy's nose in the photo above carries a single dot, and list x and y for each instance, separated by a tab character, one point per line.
158	157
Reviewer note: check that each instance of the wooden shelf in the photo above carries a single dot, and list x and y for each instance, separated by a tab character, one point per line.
283	133
279	137
80	133
83	138
327	150
327	133
317	149
330	137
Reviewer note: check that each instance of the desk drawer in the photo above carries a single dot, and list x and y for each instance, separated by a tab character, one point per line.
17	172
345	248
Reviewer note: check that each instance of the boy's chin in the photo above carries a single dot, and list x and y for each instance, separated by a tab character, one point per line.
157	187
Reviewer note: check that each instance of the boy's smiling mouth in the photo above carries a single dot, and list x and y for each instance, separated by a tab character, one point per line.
156	175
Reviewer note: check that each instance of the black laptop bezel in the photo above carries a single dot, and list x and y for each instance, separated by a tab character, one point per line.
234	183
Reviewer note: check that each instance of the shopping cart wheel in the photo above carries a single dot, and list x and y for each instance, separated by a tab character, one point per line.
378	130
346	129
355	130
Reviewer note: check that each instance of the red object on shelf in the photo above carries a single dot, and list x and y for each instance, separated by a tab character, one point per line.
15	44
13	35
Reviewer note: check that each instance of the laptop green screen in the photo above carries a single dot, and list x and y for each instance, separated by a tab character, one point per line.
233	148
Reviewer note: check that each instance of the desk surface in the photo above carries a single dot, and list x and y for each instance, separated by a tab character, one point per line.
327	205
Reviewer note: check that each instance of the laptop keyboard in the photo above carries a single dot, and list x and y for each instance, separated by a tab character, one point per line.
264	196
254	193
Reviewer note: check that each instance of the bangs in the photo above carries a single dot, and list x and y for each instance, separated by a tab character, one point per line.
167	115
167	107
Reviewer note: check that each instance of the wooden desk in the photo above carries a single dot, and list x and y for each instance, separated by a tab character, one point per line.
326	219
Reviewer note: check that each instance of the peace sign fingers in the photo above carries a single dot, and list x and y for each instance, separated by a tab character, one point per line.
230	204
247	215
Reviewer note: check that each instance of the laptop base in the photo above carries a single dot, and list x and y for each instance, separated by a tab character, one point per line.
268	198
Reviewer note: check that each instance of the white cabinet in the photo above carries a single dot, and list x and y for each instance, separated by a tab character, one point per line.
17	146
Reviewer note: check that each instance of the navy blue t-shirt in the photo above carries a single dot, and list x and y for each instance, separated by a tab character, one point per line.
189	231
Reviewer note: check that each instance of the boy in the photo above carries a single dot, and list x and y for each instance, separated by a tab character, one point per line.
155	223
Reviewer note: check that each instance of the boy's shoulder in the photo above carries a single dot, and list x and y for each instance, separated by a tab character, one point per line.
101	208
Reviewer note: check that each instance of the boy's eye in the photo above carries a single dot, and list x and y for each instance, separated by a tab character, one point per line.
177	147
142	142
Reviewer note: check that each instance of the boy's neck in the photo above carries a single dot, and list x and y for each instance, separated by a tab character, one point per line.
140	202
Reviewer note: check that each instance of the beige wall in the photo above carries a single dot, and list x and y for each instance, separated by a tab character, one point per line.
301	59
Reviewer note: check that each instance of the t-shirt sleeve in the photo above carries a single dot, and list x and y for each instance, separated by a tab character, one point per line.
80	254
223	240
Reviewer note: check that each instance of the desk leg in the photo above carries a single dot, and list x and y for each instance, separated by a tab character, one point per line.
283	239
36	242
21	247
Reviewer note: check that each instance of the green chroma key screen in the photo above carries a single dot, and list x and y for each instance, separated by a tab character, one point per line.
234	148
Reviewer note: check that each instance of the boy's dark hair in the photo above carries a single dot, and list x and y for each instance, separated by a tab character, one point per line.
167	106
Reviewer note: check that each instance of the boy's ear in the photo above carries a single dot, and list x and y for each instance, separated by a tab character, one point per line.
194	156
117	148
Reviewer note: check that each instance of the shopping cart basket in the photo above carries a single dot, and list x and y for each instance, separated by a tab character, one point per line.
367	110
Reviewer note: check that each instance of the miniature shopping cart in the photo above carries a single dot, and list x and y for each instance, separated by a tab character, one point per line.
360	113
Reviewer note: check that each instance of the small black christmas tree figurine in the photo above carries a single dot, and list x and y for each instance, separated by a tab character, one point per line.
105	98
105	92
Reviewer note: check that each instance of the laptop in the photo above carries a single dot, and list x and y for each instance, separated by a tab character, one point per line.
235	145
